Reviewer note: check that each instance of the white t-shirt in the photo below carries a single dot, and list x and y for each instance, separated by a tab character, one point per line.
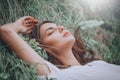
96	70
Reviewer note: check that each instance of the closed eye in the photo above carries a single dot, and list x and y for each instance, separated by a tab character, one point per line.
50	32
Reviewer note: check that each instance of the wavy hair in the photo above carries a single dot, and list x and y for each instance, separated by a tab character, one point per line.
79	49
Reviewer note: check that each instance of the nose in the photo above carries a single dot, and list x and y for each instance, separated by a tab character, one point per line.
60	28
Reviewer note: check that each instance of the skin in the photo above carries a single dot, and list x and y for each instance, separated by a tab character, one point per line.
9	34
60	38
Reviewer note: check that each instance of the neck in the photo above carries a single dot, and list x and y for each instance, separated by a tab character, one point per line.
67	58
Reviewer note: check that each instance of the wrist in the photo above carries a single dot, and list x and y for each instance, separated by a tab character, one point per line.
8	28
15	27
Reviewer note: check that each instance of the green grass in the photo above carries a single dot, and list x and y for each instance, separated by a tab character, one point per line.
66	13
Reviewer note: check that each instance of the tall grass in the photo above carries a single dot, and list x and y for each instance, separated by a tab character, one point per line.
63	12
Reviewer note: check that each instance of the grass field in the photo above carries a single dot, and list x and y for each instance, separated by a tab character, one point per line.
99	30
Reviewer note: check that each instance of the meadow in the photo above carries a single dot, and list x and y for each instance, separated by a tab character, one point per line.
99	29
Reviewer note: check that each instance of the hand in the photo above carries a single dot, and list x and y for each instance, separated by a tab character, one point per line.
25	24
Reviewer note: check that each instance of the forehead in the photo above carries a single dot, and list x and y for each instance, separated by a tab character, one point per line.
45	26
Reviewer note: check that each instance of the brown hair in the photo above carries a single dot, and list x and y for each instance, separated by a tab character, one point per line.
79	49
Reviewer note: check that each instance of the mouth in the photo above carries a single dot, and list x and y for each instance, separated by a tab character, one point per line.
66	34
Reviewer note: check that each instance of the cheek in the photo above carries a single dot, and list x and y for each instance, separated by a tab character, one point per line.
52	40
56	40
60	43
68	41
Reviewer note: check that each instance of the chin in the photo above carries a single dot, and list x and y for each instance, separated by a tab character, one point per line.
66	42
70	41
73	41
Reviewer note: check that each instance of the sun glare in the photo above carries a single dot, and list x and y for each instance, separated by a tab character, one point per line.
96	3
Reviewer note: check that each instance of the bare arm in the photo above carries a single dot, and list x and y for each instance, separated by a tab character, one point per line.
8	33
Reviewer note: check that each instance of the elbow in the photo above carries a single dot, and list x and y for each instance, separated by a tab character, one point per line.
1	29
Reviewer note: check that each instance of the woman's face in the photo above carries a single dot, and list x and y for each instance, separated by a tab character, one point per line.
56	36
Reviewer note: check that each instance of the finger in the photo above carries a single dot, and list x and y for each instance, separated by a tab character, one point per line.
36	21
31	21
31	24
27	17
28	28
26	20
29	31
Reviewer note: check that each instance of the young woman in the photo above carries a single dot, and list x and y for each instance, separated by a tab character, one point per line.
62	46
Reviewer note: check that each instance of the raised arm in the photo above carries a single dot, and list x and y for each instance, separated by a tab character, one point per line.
8	33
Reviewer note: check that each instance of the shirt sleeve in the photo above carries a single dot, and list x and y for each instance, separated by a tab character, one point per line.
53	72
47	77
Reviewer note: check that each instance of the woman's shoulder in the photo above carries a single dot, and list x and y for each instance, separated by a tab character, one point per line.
98	62
104	64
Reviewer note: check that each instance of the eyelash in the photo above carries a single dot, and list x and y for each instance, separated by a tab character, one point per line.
50	33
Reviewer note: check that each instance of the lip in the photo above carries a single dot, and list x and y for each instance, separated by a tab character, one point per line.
66	34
